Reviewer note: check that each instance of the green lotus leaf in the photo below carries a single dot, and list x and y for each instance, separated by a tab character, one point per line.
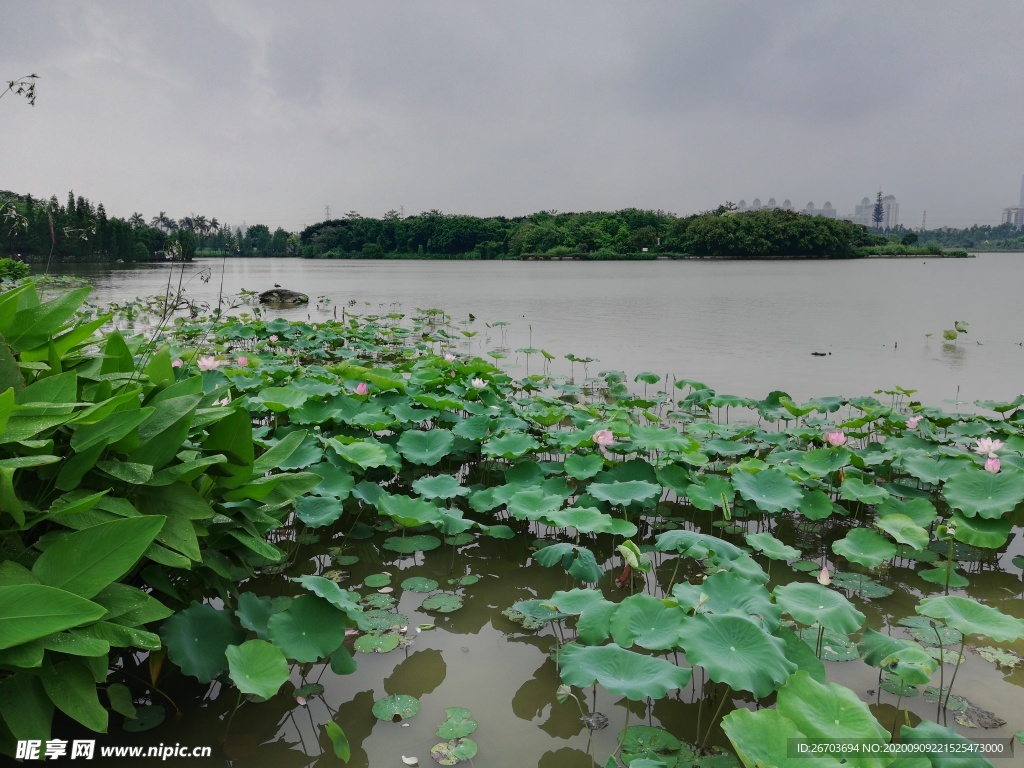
318	511
342	599
736	651
824	461
396	708
439	487
904	530
725	592
979	532
723	446
710	494
420	584
621	672
308	630
453	752
942	574
579	562
623	493
771	547
903	658
972	618
816	505
771	490
976	492
594	611
813	604
640	742
510	446
408	511
408	544
197	639
376	642
646	621
800	653
377	580
533	504
425	448
928	732
147	717
831	711
921	511
763	738
865	547
929	469
361	453
655	438
583	466
590	520
339	741
257	667
443	602
853	489
460	723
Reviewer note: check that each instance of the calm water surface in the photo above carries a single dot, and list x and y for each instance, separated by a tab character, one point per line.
743	328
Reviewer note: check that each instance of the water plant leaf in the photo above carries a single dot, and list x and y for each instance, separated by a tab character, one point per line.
339	741
813	604
407	511
976	492
443	602
197	639
972	618
905	659
904	530
920	511
363	454
853	489
623	493
257	667
763	738
771	547
409	544
830	711
771	490
728	592
865	547
512	445
533	504
396	708
928	732
308	630
981	532
821	462
376	642
621	672
32	611
735	650
646	621
816	505
147	717
590	520
583	466
579	562
645	743
943	574
454	752
318	511
378	580
439	487
460	723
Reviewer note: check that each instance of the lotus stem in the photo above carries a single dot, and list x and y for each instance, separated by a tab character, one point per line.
942	671
959	658
714	719
896	719
949	563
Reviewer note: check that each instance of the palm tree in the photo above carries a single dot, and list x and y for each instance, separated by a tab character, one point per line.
137	220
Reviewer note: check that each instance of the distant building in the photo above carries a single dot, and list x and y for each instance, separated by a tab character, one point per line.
1014	215
826	210
864	213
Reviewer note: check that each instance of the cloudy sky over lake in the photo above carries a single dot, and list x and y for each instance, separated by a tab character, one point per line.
266	112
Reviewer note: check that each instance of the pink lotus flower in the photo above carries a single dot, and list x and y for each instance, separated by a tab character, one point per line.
243	361
913	421
988	445
209	363
479	383
177	363
823	578
362	388
225	401
272	339
992	464
604	438
449	357
835	438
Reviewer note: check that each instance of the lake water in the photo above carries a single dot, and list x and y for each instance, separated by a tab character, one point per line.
743	328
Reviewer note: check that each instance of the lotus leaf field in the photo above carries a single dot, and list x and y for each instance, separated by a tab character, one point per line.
248	503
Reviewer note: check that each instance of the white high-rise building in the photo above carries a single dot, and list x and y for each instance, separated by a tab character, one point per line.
864	213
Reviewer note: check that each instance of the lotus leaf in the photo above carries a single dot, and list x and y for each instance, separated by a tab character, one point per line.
640	742
396	708
419	584
460	723
771	547
813	604
375	642
378	580
407	511
928	732
409	544
442	602
736	651
865	547
533	504
363	454
439	487
972	618
853	489
921	511
510	446
763	738
425	447
589	520
317	511
816	505
621	672
654	438
646	621
976	492
579	562
726	592
308	630
904	530
943	574
903	658
771	490
824	461
583	467
623	493
197	639
928	469
453	752
257	667
147	717
979	532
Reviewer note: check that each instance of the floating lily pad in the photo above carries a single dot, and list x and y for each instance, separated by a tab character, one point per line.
346	560
378	580
771	547
1000	657
460	723
307	690
940	575
420	584
374	642
409	544
465	581
396	708
834	646
459	539
378	600
865	547
932	694
807	566
931	632
892	684
442	603
379	620
643	741
147	716
454	752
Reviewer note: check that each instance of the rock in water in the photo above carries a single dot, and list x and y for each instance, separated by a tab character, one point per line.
283	296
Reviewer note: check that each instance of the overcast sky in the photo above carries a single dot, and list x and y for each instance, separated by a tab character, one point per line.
266	112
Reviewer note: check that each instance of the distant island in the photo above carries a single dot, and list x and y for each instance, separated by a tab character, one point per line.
36	230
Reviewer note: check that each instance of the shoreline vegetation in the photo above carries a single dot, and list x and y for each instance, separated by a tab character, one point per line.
45	231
